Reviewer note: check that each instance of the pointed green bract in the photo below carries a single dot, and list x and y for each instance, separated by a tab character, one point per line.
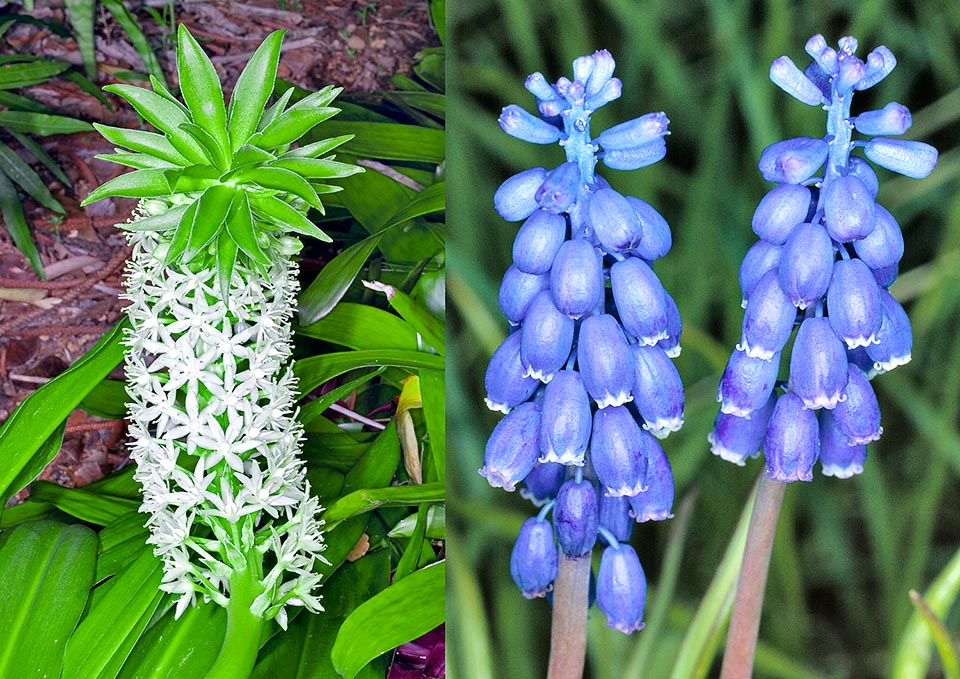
212	210
201	88
253	90
138	184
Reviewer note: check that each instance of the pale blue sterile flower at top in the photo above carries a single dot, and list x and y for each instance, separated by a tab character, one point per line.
570	368
827	254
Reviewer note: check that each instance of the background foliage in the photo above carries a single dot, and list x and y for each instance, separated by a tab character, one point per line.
847	552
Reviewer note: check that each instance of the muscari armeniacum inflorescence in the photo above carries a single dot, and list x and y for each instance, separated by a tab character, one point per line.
827	255
584	377
212	286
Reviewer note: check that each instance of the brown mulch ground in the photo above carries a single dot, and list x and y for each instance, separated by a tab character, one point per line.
357	44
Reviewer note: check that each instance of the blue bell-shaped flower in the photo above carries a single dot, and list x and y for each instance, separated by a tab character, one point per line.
605	361
621	588
633	133
517	122
780	211
537	242
516	198
735	439
769	319
576	517
618	451
806	264
785	74
505	380
858	415
517	292
793	161
566	423
761	258
891	120
655	502
534	560
849	210
559	189
658	391
639	297
838	457
543	482
747	383
884	246
853	303
656	239
671	344
576	279
615	516
614	221
818	365
792	443
894	338
513	447
546	338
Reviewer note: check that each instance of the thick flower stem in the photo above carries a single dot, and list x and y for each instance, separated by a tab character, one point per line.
568	635
748	604
241	643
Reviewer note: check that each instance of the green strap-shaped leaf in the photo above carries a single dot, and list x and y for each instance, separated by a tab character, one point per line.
41	154
368	499
332	283
400	613
276	212
34	420
360	326
96	508
16	223
42	124
433	397
282	180
316	168
136	184
317	99
80	13
102	642
291	125
24	75
24	176
145	142
48	569
315	370
240	228
391	141
131	27
429	326
201	90
212	209
254	87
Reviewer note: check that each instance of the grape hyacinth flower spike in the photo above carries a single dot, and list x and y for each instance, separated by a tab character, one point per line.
827	256
212	288
585	377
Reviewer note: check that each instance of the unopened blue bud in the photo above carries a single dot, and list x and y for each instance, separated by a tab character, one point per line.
780	211
618	451
747	383
655	502
609	92
546	338
861	169
576	279
539	87
517	122
793	161
537	242
894	338
656	239
605	361
543	482
735	439
769	319
838	456
880	62
818	365
892	119
849	210
633	133
513	447
567	420
534	560
785	74
824	55
636	157
909	158
559	190
576	517
851	71
614	221
671	345
658	391
858	415
621	588
818	77
884	246
603	67
792	443
583	67
761	258
886	275
615	516
806	264
517	291
640	300
516	198
504	380
552	108
853	301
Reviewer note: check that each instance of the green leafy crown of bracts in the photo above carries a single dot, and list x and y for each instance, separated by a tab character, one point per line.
234	179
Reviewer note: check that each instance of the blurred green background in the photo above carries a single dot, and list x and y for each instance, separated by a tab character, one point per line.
847	552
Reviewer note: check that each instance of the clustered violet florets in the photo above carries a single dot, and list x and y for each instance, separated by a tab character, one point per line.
826	258
584	378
